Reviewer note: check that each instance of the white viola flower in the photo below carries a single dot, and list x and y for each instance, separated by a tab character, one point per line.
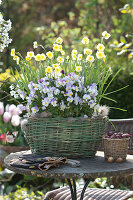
34	109
76	99
12	109
91	103
16	96
45	102
62	106
12	87
45	90
12	93
56	91
15	120
6	117
86	97
76	89
54	103
1	108
70	99
10	138
70	93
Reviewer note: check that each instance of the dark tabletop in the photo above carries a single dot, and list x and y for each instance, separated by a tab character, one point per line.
90	167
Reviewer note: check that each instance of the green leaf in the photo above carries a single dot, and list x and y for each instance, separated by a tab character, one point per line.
119	109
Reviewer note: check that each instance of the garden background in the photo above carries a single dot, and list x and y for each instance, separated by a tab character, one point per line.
43	21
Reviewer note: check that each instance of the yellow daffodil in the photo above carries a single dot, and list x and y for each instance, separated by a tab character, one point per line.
78	68
60	47
100	47
67	57
90	58
48	69
79	57
130	55
12	52
38	57
50	54
60	59
87	51
59	40
55	47
43	56
27	58
74	52
74	56
85	40
30	54
106	35
55	65
58	69
17	61
62	53
15	57
35	45
100	54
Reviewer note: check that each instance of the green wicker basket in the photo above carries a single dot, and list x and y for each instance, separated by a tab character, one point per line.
70	137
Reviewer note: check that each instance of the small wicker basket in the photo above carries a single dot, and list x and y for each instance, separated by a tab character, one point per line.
70	137
116	148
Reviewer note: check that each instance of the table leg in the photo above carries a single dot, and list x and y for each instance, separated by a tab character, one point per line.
73	190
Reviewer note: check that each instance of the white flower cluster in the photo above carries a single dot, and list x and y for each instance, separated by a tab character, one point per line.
5	27
64	93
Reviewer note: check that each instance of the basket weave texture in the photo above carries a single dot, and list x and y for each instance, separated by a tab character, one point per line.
116	148
70	137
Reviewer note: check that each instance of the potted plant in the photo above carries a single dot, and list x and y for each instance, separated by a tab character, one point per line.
62	95
116	146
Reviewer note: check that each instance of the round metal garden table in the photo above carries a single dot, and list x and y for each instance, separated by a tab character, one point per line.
90	167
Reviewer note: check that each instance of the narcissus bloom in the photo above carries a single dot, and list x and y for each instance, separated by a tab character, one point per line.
38	57
35	45
27	58
59	40
55	47
55	65
106	35
43	56
78	68
100	54
87	51
85	40
58	69
74	51
79	57
90	58
100	47
60	59
50	54
12	52
48	69
30	54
